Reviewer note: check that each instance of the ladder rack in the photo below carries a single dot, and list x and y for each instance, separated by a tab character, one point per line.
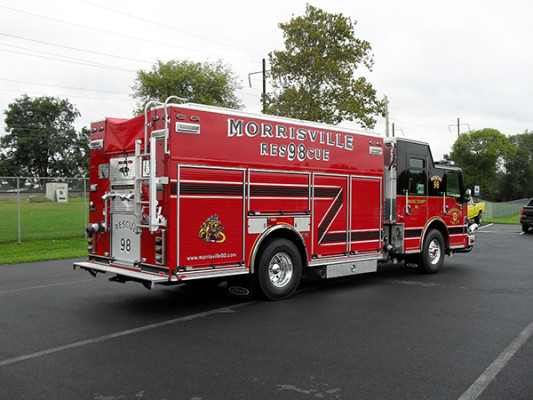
147	213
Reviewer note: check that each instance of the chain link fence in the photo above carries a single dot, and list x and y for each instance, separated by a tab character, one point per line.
502	210
42	208
57	208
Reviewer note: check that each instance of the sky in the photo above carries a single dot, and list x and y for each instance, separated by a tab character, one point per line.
436	61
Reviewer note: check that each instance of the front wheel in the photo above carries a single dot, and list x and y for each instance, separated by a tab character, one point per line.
279	269
478	219
432	255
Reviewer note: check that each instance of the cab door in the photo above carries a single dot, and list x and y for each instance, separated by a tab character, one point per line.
412	205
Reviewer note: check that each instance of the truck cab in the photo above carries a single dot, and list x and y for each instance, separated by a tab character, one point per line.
476	209
426	206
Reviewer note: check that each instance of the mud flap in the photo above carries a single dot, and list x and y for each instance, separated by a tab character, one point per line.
241	287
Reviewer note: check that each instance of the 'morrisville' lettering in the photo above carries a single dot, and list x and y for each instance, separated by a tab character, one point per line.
238	128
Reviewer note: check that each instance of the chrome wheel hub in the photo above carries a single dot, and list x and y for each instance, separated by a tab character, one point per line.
434	252
280	269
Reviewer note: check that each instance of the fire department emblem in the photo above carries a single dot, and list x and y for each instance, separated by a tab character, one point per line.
437	180
211	230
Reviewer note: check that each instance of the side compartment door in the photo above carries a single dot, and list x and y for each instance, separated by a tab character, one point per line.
366	214
330	215
210	217
454	210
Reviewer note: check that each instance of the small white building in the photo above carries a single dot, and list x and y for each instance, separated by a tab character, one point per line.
57	191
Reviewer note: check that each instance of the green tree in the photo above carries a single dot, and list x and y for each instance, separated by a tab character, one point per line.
515	183
41	139
314	77
481	155
204	83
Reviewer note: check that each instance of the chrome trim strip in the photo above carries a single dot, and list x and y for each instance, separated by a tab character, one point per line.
206	274
243	114
143	276
343	260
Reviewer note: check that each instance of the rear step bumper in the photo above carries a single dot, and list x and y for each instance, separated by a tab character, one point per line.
122	275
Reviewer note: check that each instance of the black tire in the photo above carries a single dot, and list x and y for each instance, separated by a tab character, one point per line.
478	218
279	269
525	228
432	255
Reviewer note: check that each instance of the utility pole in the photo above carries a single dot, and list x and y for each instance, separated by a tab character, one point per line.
264	72
264	78
458	127
264	85
386	117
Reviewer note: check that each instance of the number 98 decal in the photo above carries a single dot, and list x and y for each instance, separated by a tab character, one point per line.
125	245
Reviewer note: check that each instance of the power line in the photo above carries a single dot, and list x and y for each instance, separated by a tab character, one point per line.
158	24
407	123
62	56
62	87
66	59
92	28
62	95
75	48
136	38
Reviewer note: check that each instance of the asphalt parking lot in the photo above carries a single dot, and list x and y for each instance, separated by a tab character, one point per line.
465	333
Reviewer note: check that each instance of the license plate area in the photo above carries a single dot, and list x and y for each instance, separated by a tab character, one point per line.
125	241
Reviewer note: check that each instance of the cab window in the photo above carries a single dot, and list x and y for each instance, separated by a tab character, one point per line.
417	177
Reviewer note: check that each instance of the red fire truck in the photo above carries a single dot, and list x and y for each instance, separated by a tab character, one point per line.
188	192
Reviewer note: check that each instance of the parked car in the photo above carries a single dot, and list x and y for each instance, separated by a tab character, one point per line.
526	219
475	210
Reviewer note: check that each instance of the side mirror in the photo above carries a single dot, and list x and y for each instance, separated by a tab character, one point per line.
468	195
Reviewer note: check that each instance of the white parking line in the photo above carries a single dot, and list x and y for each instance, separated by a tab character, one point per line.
484	227
104	338
45	286
494	369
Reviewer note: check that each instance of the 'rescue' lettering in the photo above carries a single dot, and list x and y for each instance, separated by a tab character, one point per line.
124	225
291	151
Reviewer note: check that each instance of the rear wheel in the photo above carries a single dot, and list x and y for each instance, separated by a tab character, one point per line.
478	218
432	255
279	269
525	228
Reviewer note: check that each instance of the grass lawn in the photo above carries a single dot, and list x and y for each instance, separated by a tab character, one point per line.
49	230
512	220
42	220
41	250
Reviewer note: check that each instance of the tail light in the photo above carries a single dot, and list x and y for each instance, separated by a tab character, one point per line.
160	247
